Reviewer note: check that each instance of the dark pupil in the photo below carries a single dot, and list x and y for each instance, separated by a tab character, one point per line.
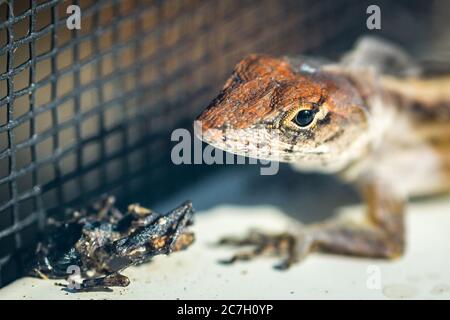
304	117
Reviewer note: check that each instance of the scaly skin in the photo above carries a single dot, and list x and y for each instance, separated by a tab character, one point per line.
369	127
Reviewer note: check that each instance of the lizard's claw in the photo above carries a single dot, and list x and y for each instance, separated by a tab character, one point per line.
291	248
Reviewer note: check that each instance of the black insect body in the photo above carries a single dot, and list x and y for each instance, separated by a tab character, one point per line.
102	241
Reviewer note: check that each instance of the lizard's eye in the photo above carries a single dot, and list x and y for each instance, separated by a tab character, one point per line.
304	117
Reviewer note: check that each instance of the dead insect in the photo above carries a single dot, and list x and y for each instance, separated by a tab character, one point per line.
102	241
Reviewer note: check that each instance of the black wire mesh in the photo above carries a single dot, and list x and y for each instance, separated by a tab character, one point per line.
88	111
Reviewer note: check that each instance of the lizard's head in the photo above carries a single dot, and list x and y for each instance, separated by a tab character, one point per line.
278	109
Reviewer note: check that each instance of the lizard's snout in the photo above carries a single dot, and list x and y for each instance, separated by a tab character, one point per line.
207	134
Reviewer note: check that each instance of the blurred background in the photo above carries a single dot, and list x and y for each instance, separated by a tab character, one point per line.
90	111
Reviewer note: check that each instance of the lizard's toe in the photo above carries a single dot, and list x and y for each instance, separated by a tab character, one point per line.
291	248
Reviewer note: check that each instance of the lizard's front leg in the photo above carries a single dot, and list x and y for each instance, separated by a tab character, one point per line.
380	235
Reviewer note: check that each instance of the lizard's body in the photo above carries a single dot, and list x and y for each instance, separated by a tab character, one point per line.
412	149
364	119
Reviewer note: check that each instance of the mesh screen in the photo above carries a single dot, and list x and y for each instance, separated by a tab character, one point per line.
88	111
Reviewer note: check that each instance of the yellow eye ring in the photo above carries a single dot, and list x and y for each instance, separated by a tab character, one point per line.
299	118
303	117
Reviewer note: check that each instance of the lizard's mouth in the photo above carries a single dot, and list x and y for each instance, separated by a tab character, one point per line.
255	143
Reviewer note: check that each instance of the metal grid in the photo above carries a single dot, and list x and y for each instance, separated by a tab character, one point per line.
88	111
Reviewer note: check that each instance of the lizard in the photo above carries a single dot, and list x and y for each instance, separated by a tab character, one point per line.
372	118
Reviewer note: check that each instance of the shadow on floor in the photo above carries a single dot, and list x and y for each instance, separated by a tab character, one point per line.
306	197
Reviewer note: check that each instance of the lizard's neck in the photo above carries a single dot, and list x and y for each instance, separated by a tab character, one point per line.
406	114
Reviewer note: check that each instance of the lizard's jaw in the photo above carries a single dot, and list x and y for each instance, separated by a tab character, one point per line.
248	142
317	160
258	143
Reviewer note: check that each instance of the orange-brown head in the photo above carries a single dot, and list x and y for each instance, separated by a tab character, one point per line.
285	110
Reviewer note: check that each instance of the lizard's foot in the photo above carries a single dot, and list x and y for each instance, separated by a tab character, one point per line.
380	235
333	236
292	248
